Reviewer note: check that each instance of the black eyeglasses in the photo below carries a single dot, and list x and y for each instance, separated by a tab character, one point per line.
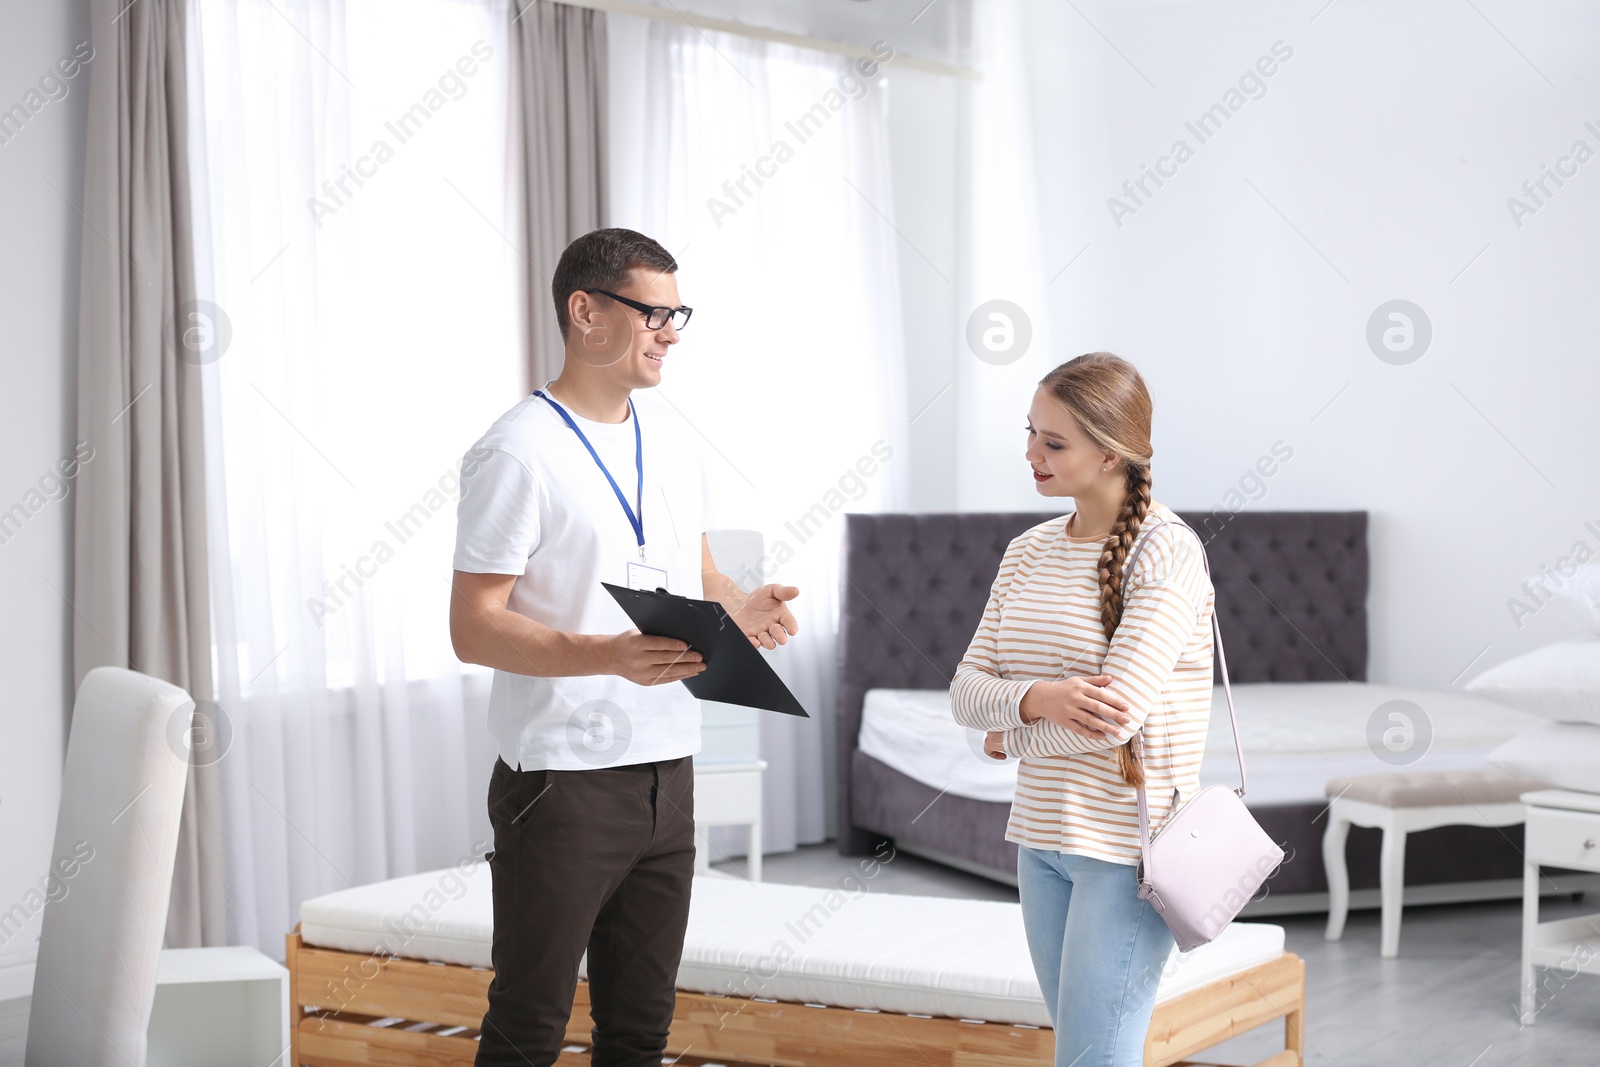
654	317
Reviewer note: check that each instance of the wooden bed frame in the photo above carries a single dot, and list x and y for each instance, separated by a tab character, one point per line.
334	997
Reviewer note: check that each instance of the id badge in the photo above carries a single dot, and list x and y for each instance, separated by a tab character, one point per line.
643	576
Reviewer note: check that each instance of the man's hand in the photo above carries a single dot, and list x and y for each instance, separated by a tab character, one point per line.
646	660
483	630
1084	704
764	616
994	744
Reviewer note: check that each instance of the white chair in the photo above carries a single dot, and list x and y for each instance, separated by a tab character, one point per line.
115	844
1399	803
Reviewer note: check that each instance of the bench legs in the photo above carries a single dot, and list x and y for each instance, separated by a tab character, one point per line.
1392	887
1391	878
1333	863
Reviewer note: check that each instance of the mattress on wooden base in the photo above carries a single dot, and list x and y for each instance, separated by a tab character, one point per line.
850	946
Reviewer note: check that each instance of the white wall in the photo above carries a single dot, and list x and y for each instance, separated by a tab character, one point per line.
1376	166
38	305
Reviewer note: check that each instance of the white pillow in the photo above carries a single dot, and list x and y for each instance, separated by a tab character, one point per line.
1565	754
1560	682
1578	598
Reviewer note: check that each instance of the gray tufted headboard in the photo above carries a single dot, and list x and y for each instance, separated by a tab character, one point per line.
1291	602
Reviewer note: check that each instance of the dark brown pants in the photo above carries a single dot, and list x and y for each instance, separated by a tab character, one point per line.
601	860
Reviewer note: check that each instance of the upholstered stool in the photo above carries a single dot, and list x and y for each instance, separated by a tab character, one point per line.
1401	802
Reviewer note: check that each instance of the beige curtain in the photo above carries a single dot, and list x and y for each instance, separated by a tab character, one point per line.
559	123
139	570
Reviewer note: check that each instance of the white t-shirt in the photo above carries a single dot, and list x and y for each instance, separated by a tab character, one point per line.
534	504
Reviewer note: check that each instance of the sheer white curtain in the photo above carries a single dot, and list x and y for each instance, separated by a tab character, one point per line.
352	205
764	169
1002	258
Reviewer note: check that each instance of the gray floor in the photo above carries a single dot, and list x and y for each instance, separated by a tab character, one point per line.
1448	1001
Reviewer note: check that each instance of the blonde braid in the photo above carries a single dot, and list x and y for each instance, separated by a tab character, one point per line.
1135	506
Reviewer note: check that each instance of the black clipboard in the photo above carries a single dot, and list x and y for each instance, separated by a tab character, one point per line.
736	672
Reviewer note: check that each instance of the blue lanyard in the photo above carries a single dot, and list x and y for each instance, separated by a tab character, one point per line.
635	518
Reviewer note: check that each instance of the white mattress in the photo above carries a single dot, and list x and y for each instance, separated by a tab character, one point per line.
852	949
1296	735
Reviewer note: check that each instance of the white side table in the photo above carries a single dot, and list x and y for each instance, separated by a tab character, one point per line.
1563	831
219	1005
727	794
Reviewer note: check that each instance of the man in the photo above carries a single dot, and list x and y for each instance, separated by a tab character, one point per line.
592	797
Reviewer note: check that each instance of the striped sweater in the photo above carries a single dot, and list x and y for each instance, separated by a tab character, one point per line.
1043	622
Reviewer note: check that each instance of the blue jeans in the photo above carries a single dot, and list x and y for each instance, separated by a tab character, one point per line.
1099	952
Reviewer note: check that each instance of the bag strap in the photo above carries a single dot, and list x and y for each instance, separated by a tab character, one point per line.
1233	718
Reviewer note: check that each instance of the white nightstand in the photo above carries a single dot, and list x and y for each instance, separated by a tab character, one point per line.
728	794
219	1005
1563	830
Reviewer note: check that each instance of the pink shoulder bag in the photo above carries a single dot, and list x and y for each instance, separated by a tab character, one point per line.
1210	855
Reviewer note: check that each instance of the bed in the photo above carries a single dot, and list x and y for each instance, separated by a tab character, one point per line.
1291	597
1297	735
398	972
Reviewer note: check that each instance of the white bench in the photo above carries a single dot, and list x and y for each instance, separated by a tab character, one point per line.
1398	803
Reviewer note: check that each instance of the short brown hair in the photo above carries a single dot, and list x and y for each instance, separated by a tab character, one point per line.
602	259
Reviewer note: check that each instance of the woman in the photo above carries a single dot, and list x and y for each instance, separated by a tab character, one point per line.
1071	659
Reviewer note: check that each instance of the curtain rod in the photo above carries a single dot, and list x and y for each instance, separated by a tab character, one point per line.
762	33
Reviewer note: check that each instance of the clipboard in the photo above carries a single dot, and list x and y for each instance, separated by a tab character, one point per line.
736	672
